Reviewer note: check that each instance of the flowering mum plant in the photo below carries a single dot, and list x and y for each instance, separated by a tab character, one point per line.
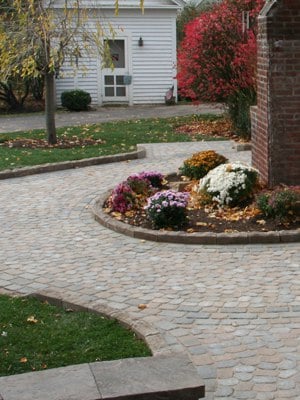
201	163
230	184
122	198
167	209
134	191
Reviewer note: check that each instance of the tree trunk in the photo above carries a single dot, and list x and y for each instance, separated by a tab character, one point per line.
50	108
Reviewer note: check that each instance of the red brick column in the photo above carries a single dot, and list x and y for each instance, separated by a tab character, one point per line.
276	118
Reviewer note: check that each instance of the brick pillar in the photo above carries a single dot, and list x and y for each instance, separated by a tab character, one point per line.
276	118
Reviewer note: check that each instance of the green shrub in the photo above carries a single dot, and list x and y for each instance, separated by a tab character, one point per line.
138	184
201	163
282	203
239	104
76	100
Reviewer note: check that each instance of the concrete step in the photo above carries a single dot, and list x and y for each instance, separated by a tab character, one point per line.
147	378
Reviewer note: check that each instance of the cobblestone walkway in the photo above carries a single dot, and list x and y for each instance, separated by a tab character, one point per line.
234	309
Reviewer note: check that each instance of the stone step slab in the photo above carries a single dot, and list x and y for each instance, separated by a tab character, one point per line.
145	378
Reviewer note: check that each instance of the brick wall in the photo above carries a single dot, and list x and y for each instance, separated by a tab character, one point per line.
276	118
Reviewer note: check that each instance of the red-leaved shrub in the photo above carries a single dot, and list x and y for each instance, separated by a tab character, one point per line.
218	56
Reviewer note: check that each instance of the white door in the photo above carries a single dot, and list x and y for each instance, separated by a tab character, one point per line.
115	81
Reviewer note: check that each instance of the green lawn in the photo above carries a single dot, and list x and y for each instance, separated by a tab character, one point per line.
119	137
36	336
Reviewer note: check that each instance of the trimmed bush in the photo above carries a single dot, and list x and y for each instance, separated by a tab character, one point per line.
76	100
201	163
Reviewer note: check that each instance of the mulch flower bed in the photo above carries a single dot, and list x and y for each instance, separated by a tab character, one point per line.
211	218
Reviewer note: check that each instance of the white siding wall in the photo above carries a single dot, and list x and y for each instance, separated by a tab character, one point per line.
85	79
153	66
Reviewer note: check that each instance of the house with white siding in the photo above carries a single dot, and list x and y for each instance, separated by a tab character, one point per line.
143	49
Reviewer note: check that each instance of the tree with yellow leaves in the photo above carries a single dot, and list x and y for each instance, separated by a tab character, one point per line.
37	36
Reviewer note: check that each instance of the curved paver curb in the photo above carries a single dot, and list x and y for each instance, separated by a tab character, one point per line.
86	162
187	383
190	238
143	330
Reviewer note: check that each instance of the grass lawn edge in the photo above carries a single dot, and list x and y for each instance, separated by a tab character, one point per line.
85	162
142	329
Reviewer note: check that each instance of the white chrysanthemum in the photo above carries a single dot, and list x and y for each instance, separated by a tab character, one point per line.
227	182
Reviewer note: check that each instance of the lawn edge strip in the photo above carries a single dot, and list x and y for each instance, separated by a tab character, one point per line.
85	162
189	238
143	330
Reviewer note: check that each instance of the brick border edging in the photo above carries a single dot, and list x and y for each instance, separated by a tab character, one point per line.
190	238
86	162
